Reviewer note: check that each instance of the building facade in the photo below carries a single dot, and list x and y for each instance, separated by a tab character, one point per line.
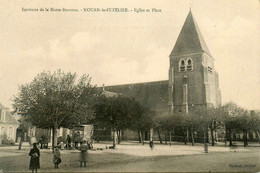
8	126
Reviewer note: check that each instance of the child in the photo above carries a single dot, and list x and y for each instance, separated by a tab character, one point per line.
56	157
83	153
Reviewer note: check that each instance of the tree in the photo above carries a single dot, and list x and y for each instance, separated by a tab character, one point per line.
207	118
244	124
113	112
181	123
23	127
141	117
166	122
255	123
226	115
194	121
234	118
213	123
54	100
159	123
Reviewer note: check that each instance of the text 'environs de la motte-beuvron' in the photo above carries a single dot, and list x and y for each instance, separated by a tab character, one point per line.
93	10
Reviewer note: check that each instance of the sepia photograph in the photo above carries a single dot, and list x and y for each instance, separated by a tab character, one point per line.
129	86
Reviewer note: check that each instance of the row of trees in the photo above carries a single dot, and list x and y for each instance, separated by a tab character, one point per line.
229	118
54	100
121	113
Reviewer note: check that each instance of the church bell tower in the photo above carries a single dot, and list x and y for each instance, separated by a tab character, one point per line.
193	80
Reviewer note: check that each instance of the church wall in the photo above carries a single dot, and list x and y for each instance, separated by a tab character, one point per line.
151	94
209	79
218	92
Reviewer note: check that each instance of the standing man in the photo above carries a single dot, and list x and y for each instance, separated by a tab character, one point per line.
68	142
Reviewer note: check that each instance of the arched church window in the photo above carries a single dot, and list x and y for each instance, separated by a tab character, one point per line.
189	65
182	65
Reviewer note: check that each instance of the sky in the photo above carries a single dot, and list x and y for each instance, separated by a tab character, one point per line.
121	48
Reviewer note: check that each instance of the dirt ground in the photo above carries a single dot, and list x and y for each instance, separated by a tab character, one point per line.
135	157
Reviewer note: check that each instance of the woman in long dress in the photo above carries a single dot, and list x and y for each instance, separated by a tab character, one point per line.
35	158
83	153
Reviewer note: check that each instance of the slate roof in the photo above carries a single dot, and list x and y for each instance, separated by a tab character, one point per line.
150	94
9	119
190	39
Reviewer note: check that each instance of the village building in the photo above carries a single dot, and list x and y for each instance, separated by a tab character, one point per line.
8	126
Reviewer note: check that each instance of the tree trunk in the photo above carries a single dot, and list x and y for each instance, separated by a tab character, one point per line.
151	134
170	138
230	137
114	137
258	135
225	135
215	129
165	137
173	133
204	137
184	138
245	138
212	136
139	136
159	136
119	136
192	136
20	143
143	137
54	137
151	138
187	134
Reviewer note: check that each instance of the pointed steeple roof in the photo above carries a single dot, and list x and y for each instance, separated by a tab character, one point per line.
190	39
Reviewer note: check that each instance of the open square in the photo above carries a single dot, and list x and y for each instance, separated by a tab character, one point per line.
135	157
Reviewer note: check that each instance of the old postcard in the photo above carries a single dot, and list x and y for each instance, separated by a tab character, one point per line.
129	86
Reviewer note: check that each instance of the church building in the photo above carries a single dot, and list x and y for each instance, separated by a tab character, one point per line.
193	80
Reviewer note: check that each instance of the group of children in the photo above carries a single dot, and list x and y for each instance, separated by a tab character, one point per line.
35	156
